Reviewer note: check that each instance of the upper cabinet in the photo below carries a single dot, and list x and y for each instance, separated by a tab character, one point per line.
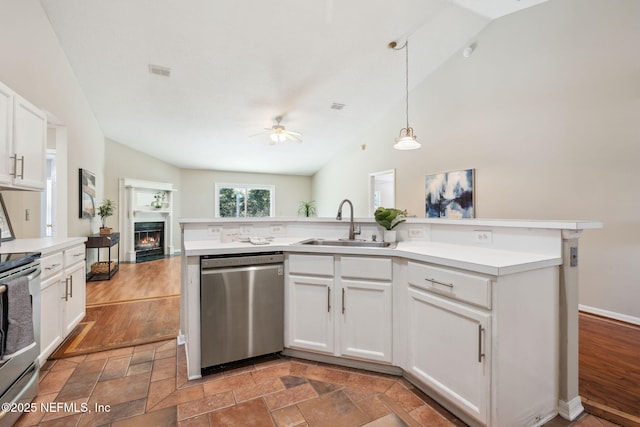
23	142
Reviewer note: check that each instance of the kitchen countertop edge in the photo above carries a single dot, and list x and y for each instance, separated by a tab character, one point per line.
45	245
481	260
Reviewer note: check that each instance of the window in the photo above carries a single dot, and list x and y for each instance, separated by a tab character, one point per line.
244	201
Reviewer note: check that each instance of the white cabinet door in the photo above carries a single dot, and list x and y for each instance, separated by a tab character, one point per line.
449	350
30	144
74	297
6	133
51	306
310	313
366	320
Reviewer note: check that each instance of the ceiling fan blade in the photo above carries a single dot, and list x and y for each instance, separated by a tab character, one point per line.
294	133
293	136
266	131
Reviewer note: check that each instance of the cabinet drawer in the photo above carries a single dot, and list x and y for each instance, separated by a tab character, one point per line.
74	254
367	268
51	264
316	265
454	284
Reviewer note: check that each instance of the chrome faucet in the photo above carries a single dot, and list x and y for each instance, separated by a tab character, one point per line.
353	230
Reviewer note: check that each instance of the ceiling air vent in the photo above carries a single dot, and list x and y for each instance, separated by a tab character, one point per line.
160	71
337	106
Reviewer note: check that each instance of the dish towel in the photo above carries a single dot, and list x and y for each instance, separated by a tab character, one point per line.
20	335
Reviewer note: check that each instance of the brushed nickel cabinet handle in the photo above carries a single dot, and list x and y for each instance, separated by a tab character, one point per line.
437	282
480	353
328	299
343	307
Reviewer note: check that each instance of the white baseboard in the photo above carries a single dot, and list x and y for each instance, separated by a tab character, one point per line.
609	314
571	409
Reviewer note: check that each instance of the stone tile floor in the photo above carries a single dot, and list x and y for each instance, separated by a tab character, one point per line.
146	386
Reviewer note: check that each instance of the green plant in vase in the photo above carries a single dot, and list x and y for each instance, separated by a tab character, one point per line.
389	218
105	210
307	209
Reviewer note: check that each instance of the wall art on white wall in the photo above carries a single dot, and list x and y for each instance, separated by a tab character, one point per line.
87	193
450	194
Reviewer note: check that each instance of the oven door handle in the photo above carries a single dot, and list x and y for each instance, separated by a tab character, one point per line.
34	273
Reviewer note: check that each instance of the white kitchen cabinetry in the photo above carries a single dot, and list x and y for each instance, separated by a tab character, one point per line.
366	308
485	345
52	287
449	350
348	315
6	133
63	296
23	142
75	287
309	305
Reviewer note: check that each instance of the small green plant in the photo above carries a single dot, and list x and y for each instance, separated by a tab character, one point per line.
158	199
307	208
105	210
389	218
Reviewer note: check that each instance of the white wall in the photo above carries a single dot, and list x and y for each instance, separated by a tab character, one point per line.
547	110
33	64
197	190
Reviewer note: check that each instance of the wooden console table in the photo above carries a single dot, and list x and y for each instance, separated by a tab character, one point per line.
99	241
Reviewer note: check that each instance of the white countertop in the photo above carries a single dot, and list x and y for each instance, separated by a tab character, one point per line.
43	245
475	222
482	260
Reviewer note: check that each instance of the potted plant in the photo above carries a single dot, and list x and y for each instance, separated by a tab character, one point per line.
158	199
307	208
389	218
105	210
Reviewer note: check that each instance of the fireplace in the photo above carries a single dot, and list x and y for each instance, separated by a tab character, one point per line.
148	240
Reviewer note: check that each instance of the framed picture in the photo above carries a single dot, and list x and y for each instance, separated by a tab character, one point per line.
450	194
87	194
5	224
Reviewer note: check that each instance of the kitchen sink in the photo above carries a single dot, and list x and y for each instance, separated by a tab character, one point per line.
345	242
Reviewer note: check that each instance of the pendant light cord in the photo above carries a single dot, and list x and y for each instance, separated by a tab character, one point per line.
406	46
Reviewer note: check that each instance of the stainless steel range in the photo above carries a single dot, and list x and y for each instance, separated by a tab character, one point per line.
19	367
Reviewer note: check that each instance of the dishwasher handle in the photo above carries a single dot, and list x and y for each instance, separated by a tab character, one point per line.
240	260
208	271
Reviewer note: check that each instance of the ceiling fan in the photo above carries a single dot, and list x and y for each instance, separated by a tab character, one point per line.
278	133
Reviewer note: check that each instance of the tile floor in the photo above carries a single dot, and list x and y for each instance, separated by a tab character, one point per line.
146	386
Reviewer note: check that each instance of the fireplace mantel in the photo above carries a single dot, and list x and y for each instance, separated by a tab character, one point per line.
136	205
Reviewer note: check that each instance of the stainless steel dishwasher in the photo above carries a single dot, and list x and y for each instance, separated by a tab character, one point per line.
241	307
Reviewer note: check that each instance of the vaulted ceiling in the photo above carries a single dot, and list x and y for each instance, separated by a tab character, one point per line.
235	65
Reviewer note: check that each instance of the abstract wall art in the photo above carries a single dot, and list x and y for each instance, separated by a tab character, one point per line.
450	194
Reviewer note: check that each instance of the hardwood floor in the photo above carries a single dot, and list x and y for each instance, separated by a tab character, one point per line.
139	305
152	279
610	369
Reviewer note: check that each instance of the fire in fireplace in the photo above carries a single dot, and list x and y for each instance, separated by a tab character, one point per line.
148	240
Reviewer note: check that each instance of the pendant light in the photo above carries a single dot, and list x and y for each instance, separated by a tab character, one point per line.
406	140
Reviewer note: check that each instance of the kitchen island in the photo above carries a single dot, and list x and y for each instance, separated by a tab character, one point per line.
479	314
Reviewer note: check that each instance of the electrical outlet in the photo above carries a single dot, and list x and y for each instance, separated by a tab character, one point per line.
276	229
416	233
484	237
246	230
212	230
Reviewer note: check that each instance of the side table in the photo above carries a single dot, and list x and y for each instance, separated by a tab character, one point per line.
104	270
